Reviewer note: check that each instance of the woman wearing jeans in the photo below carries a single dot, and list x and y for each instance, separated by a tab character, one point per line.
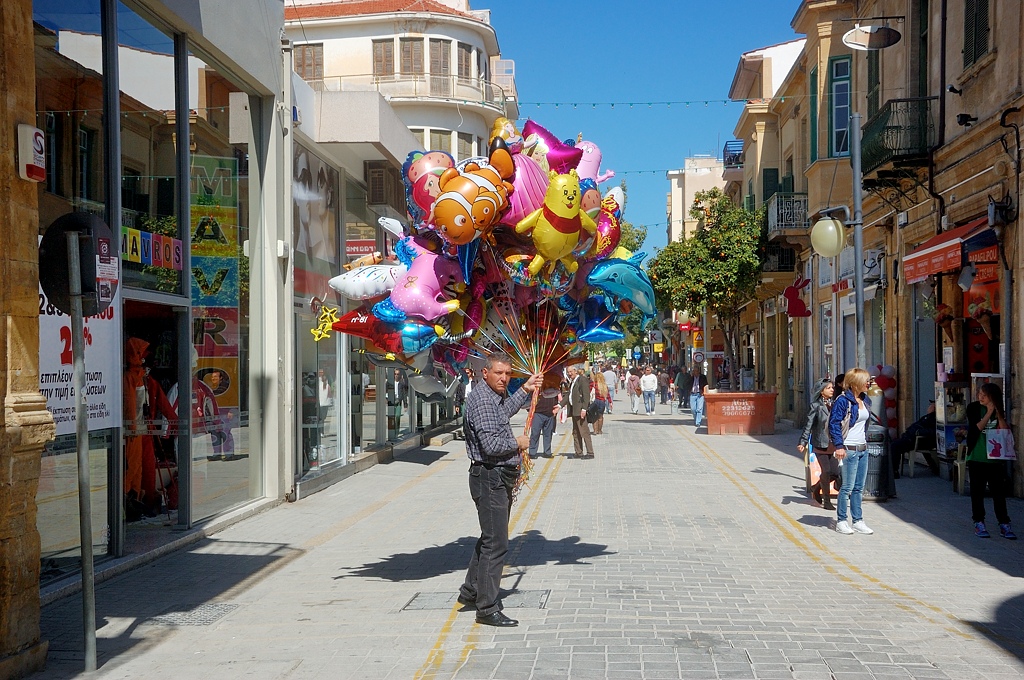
848	428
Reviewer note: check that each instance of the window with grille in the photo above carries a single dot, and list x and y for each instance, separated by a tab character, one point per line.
383	58
975	31
465	60
839	100
441	140
874	82
411	50
465	149
309	61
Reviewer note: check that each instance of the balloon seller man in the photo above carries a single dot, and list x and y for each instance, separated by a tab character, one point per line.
495	455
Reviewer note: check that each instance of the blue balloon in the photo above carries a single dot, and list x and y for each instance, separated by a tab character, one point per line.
624	280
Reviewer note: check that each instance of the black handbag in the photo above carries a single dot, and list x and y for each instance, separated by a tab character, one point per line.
595	411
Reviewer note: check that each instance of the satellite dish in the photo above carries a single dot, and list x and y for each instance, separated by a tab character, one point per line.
871	37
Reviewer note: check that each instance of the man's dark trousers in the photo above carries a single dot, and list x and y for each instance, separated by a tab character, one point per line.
491	489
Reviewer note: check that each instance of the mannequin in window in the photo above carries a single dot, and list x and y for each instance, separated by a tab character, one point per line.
144	400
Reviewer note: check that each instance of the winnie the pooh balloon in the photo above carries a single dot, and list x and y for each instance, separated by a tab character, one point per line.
557	225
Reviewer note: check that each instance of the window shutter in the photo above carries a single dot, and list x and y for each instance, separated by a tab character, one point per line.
465	60
318	61
980	29
383	57
970	13
440	57
769	183
786	186
874	82
412	55
417	56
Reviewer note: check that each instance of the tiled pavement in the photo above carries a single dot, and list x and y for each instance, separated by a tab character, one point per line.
671	555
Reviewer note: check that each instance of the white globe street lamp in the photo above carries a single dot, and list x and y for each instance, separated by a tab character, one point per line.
827	237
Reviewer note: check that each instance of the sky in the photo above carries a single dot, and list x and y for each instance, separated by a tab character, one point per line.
643	52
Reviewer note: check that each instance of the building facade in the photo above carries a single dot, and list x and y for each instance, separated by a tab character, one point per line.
699	173
940	180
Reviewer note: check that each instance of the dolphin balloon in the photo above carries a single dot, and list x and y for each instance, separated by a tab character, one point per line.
625	280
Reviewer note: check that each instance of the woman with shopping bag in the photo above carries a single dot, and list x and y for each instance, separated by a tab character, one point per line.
989	445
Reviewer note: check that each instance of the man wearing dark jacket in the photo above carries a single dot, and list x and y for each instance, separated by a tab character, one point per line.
579	402
695	393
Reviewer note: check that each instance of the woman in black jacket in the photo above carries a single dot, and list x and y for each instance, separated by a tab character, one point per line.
816	432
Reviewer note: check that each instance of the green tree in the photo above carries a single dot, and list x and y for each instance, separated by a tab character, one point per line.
718	267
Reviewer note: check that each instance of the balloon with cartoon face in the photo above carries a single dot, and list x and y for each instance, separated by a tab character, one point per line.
421	172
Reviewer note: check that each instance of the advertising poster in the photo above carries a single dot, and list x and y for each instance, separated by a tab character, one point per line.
102	366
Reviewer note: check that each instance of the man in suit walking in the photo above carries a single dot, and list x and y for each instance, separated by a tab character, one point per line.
579	401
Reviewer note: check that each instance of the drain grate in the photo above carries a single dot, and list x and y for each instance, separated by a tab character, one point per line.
203	615
519	599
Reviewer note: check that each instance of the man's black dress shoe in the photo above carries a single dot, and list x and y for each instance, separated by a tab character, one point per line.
465	601
496	619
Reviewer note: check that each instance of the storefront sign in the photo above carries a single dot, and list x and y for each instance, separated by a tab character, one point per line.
31	153
359	247
985	273
990	254
102	366
840	286
659	347
684	327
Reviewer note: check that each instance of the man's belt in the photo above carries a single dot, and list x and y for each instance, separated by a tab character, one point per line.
492	466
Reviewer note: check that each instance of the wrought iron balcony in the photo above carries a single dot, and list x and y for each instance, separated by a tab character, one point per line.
787	212
902	132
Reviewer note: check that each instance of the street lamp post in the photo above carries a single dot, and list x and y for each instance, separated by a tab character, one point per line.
829	244
858	241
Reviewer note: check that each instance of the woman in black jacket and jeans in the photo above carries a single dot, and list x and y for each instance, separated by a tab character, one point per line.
816	432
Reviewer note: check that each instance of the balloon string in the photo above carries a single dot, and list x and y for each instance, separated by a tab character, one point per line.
527	465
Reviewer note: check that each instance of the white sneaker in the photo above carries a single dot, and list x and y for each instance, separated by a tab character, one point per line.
862	528
843	527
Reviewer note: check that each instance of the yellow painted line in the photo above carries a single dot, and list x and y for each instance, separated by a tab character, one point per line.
432	666
799	536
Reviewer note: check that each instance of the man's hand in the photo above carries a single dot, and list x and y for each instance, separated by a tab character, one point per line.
556	409
523	442
583	413
801	448
534	382
840	454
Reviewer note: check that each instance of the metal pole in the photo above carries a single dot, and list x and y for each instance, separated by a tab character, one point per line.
858	241
182	199
82	436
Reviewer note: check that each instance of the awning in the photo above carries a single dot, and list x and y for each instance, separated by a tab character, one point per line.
943	252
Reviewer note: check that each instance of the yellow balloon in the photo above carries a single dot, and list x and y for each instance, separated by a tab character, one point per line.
557	226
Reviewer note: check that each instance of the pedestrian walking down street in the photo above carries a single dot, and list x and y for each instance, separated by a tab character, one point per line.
602	395
649	384
816	433
983	416
847	427
495	456
622	379
579	402
663	382
683	382
698	383
612	380
634	391
546	414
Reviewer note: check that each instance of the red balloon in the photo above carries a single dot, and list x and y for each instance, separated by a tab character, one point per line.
893	422
884	382
891	403
363	324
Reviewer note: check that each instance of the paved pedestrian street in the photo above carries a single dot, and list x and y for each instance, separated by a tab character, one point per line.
672	554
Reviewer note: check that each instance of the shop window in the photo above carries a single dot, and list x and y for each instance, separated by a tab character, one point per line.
383	58
839	106
975	31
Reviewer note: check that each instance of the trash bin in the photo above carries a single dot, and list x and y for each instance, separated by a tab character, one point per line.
880	484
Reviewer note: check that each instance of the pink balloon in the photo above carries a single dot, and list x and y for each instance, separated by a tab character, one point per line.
889	371
875	370
609	231
892	433
530	183
560	157
890	393
890	413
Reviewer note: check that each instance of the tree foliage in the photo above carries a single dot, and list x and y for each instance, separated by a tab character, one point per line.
718	267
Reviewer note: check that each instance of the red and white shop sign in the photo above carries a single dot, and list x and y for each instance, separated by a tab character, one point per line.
359	247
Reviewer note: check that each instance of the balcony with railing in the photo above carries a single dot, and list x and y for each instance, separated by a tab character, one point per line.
901	133
787	216
425	87
732	160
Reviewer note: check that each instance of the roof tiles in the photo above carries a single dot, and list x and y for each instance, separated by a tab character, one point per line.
348	8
